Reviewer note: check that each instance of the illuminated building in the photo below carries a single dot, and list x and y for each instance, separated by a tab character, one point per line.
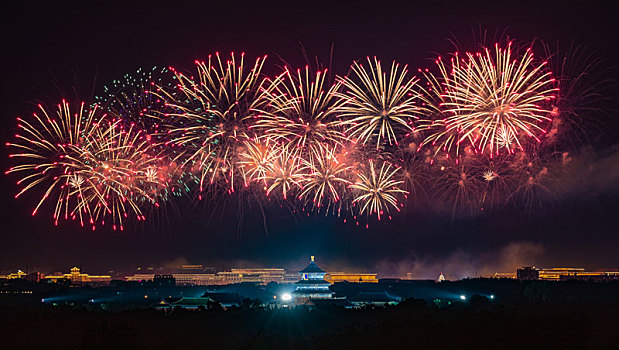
140	277
312	284
14	275
441	278
291	277
596	276
561	273
564	273
555	273
195	279
164	281
251	275
76	277
182	279
334	277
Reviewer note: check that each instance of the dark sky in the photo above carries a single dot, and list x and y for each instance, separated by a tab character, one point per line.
52	51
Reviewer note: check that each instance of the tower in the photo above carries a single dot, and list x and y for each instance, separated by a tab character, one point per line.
312	284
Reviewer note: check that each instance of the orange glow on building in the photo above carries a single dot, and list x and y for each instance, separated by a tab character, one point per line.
334	277
14	275
559	273
76	277
250	275
564	273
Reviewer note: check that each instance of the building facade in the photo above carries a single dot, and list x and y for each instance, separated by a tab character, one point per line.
334	277
312	284
564	273
77	277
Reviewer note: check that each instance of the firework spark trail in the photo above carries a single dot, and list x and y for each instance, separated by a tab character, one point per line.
581	110
533	176
380	106
119	174
301	109
44	148
490	102
256	159
212	116
284	172
459	183
326	181
377	189
92	168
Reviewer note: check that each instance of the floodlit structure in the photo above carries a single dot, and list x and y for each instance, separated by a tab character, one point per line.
312	284
14	275
77	277
334	277
261	276
564	273
441	278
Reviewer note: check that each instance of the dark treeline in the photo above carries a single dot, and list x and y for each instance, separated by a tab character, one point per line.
536	315
412	324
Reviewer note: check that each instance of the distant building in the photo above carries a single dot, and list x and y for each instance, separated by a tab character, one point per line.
140	277
76	277
261	276
334	277
511	275
576	273
164	281
291	277
375	299
555	273
312	284
565	273
14	275
192	267
186	303
196	279
441	278
253	275
34	276
606	276
226	300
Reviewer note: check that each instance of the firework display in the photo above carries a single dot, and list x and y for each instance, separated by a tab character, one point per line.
380	107
210	117
300	110
377	189
91	167
491	101
471	135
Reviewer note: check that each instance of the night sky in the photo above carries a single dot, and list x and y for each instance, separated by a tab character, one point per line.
53	51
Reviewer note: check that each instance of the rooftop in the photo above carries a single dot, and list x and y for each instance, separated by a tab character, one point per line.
312	268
